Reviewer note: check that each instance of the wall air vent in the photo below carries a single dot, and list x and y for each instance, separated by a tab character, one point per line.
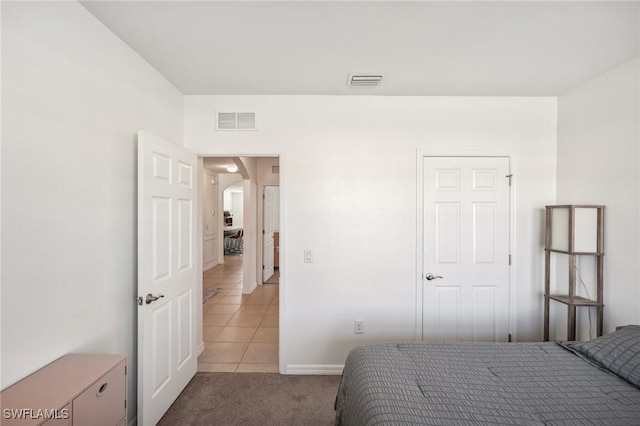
364	80
236	121
275	169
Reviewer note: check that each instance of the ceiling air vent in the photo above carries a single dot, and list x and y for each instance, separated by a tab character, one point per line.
236	121
364	80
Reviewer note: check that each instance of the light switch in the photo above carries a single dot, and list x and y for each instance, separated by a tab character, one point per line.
308	256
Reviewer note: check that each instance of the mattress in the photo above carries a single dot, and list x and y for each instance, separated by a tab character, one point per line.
462	383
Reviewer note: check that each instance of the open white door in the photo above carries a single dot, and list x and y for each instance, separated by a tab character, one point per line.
268	247
167	275
466	249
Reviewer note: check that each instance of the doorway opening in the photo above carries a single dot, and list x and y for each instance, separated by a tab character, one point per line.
240	324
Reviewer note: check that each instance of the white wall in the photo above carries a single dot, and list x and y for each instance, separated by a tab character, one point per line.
250	226
74	96
227	200
226	180
237	207
348	179
598	163
233	203
210	218
265	171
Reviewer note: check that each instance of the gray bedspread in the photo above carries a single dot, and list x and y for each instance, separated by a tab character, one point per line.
480	383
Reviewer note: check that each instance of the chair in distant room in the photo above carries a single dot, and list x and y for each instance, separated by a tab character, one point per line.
236	242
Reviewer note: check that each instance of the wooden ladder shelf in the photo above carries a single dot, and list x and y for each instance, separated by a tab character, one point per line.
580	219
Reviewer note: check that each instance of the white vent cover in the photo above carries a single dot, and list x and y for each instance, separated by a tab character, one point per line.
236	121
364	80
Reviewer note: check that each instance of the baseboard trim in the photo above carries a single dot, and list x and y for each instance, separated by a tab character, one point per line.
314	369
254	285
210	264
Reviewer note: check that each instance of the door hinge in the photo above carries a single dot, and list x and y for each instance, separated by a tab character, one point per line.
509	260
510	337
509	176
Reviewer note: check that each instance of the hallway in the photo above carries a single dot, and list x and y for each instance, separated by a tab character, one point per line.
240	331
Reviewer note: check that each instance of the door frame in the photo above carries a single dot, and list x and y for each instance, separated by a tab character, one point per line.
202	153
261	202
420	154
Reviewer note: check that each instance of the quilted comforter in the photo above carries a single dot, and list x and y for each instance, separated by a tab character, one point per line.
459	383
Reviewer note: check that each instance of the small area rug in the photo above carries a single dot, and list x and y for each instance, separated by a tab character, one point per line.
208	293
260	399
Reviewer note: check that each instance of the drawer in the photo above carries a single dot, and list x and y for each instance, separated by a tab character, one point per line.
103	403
64	418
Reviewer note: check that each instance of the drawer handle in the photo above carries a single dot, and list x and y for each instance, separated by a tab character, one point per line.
102	389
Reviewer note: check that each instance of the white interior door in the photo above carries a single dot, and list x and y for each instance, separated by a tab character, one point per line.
167	196
268	248
466	249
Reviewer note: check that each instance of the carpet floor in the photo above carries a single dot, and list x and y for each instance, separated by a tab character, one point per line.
254	399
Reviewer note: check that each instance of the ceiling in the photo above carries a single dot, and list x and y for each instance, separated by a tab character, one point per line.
220	164
426	48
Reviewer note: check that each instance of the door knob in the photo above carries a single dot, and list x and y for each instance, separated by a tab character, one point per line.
151	298
430	276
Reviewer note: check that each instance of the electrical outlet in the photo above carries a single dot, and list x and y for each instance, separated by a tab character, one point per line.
358	326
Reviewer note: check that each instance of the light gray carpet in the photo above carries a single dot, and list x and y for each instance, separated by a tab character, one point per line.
255	399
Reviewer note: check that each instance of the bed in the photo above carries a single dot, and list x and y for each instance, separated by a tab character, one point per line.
464	383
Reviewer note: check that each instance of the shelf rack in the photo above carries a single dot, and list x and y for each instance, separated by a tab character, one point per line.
586	219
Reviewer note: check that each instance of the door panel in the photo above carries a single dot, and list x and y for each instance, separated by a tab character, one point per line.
447	233
484	232
161	238
161	346
466	243
185	333
448	312
185	174
166	269
484	308
185	234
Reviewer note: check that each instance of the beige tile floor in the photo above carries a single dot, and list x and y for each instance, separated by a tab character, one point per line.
240	331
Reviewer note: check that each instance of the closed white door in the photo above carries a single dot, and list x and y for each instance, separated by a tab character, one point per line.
268	248
466	249
167	275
